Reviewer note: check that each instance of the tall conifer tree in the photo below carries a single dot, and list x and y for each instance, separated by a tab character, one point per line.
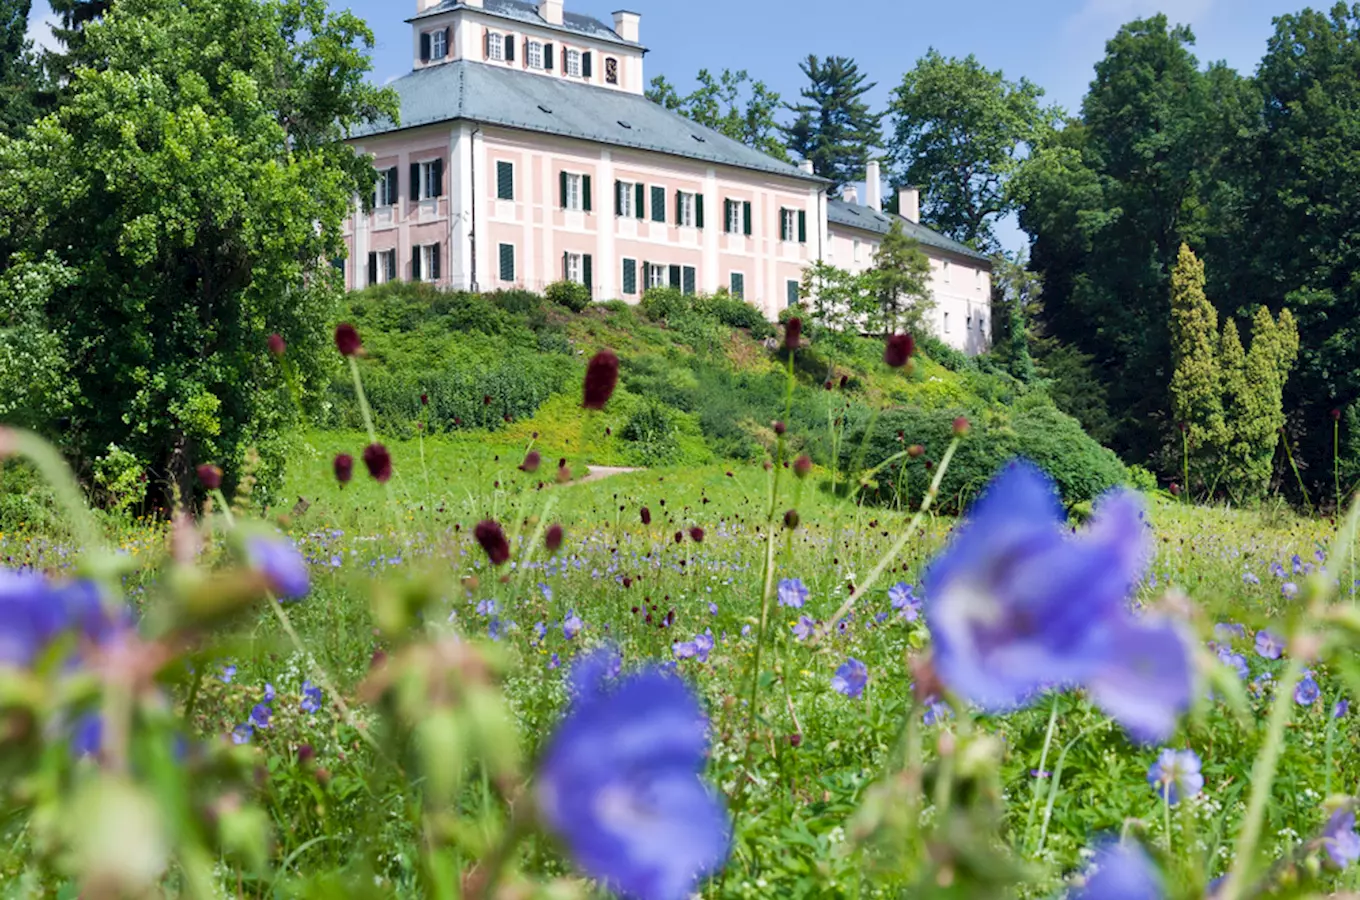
835	128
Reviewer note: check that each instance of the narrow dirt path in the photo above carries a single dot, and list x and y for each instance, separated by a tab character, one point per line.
600	473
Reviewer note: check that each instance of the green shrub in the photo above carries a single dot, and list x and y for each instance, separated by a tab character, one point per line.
653	431
661	304
572	295
1082	469
26	501
951	358
734	313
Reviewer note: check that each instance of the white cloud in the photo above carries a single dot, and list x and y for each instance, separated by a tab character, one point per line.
1106	15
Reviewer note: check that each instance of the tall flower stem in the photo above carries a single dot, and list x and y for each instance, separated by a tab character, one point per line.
896	550
1262	780
1043	763
1289	454
363	400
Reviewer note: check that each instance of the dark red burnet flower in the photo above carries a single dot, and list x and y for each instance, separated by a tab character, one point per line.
1175	489
898	350
379	462
646	516
802	466
532	460
347	340
696	534
344	468
210	476
277	345
491	537
779	428
792	520
1336	415
793	334
552	540
602	376
424	399
961	427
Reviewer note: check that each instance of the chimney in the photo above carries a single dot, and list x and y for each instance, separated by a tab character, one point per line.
551	11
909	204
626	25
475	4
806	166
850	195
873	190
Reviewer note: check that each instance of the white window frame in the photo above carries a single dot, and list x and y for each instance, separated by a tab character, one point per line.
427	257
788	226
628	199
857	250
439	48
687	213
387	266
378	195
533	56
657	275
735	220
427	183
573	63
575	191
495	46
576	268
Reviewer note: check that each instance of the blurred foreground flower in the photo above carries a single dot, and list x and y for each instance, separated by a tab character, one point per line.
620	783
1176	775
1015	606
279	560
35	612
1340	841
1120	872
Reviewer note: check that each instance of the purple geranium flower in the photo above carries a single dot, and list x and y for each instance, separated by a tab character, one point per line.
268	692
260	715
228	673
311	697
1250	578
1342	707
685	649
1235	661
704	644
1307	691
1289	590
937	712
620	785
242	733
1340	841
1176	775
1120	871
793	593
1268	644
851	678
572	625
903	598
280	562
1016	605
804	628
35	612
1227	631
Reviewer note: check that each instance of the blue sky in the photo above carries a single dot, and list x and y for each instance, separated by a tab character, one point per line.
1054	43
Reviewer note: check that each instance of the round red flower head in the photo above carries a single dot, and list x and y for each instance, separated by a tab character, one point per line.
802	466
898	350
602	376
793	334
210	476
277	345
552	540
696	534
347	340
532	460
646	516
491	537
344	468
1336	415
379	462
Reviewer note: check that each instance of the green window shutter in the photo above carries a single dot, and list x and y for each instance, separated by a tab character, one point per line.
562	183
505	181
509	47
415	263
629	277
564	267
802	226
727	215
586	65
675	276
439	177
586	193
548	57
425	46
587	273
372	268
658	204
739	285
415	182
618	198
746	216
677	208
639	211
688	283
507	262
792	293
435	262
699	210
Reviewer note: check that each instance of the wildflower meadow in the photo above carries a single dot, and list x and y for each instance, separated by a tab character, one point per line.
516	681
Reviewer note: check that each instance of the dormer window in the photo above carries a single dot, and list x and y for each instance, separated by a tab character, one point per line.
500	47
573	63
535	55
439	44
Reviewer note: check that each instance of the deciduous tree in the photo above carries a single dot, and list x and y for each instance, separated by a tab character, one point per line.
900	280
733	103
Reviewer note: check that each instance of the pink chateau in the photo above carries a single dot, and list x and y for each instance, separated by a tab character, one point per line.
528	154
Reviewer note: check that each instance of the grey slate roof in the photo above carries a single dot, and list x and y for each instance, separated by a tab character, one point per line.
841	213
523	11
498	95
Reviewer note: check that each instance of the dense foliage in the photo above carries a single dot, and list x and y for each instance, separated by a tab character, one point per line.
834	127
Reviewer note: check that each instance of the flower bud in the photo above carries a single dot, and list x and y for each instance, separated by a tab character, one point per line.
696	534
646	516
210	476
779	428
1336	415
531	462
1175	489
379	462
602	376
802	466
898	350
347	340
344	467
491	537
424	399
793	334
961	427
791	520
553	539
277	346
916	451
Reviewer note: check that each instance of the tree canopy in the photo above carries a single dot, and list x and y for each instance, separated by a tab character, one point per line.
835	128
733	104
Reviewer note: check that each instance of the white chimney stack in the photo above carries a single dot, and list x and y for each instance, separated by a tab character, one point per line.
806	166
873	190
551	11
850	195
909	204
627	25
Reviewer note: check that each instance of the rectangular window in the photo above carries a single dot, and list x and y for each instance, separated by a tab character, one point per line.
507	253
574	269
788	225
573	63
658	204
977	281
948	277
684	210
982	325
535	55
732	216
630	279
429	262
431	178
387	266
505	180
573	193
656	275
439	44
791	290
738	283
496	45
626	197
386	193
689	280
856	249
946	323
